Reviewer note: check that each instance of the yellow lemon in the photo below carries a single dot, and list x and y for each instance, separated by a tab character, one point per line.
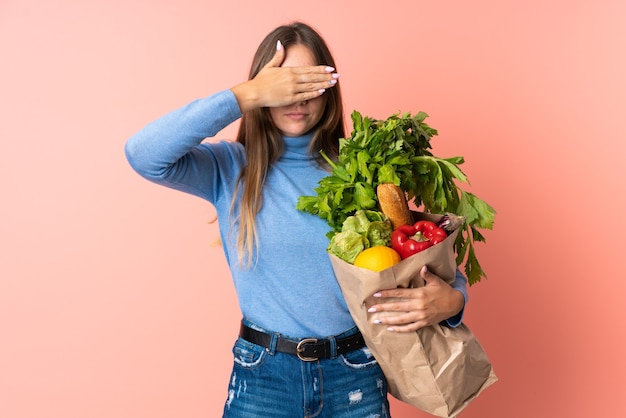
377	258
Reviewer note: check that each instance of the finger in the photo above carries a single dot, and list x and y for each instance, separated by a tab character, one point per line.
310	90
279	56
400	318
429	277
312	74
308	95
399	292
412	327
313	82
409	321
316	69
396	306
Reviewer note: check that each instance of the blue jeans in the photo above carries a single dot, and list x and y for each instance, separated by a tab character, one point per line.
271	384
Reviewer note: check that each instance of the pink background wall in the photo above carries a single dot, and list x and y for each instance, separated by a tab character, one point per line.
114	303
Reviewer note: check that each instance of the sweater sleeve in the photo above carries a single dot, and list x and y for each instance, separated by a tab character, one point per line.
168	151
460	284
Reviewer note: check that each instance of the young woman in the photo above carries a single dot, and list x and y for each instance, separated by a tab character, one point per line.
299	353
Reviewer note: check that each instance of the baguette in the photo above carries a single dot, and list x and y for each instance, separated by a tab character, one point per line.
392	202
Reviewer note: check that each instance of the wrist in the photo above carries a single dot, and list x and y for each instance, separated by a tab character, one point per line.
246	96
457	302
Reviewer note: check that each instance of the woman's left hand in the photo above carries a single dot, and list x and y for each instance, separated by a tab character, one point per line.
421	306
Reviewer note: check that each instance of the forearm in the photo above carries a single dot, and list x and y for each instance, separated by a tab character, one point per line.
160	144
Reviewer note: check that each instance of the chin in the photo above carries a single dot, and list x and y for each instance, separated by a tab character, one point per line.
295	132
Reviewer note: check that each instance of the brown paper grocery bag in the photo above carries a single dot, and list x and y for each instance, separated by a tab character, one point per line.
437	369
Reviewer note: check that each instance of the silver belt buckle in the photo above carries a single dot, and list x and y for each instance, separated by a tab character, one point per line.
300	349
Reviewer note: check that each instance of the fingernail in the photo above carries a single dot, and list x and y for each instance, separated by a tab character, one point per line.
320	91
377	321
329	69
390	329
332	82
372	309
336	75
279	45
424	269
377	294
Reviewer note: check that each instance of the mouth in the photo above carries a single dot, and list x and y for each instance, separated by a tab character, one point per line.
296	115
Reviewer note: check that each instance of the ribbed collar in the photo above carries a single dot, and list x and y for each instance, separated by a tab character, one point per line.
296	147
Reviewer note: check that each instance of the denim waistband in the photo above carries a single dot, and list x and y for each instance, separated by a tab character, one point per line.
306	349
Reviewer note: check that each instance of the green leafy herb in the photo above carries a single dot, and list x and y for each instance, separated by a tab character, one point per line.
397	150
364	229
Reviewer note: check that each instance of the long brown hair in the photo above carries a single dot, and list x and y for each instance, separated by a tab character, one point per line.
263	142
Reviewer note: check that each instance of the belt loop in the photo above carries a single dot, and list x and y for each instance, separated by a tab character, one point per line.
273	341
333	347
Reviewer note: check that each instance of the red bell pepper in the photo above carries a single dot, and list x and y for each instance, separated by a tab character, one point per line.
411	239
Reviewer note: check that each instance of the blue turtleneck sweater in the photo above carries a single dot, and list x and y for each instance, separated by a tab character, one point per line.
290	287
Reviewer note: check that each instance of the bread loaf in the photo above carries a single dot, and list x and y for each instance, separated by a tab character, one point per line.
392	202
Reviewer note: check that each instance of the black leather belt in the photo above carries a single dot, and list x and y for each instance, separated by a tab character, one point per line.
308	349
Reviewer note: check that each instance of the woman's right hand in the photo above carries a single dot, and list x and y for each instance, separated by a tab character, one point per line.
276	86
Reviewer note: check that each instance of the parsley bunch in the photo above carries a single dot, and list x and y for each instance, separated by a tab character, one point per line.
397	150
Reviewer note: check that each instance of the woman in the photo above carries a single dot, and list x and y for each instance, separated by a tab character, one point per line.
298	352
